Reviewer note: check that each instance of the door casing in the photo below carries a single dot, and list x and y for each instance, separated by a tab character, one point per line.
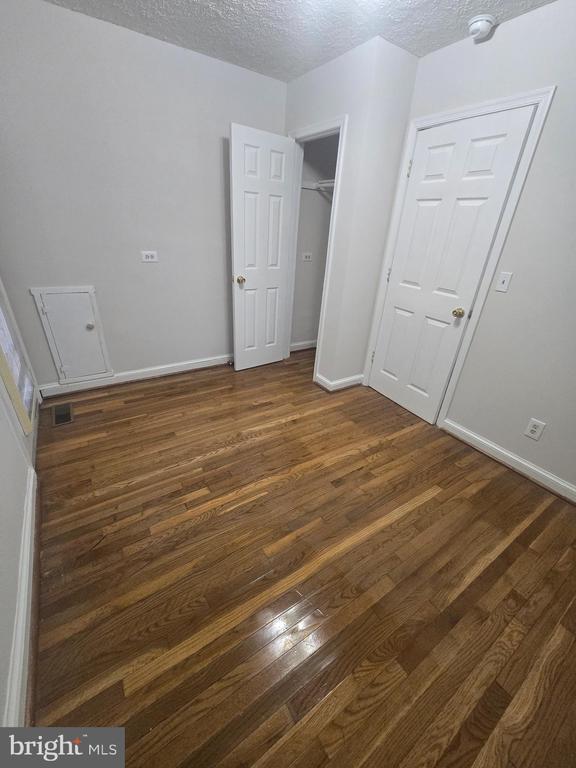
541	99
317	131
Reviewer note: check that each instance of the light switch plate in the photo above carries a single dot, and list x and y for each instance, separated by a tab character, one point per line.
503	282
149	256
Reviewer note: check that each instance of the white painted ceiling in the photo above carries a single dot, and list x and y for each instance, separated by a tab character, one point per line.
285	38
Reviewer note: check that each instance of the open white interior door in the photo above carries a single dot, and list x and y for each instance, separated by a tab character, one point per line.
262	171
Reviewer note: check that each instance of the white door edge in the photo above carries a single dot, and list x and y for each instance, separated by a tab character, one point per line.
293	255
328	127
541	99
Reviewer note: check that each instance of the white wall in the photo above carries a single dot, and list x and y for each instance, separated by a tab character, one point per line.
372	84
313	228
113	142
522	361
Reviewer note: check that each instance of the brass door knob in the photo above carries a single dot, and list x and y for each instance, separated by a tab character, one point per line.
458	312
240	279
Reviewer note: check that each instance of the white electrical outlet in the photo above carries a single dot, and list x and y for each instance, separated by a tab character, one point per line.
149	256
534	429
306	256
503	282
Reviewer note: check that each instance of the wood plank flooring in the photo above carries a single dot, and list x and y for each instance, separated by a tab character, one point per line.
244	570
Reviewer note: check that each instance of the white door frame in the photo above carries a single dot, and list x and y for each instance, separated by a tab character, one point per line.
337	125
38	293
541	100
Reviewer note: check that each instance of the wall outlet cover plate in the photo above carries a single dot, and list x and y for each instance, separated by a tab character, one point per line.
534	429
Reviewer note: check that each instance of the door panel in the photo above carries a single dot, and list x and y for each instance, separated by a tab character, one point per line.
72	326
459	182
262	187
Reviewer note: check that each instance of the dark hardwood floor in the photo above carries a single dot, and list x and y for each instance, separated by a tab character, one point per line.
244	570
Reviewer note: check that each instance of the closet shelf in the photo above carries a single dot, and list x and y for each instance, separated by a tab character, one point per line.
320	185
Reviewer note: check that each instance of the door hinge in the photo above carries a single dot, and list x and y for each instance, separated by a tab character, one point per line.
388	274
372	357
409	169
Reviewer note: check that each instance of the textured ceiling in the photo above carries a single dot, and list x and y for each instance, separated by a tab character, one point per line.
285	38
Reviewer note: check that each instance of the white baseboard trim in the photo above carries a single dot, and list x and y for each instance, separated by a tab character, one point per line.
16	689
52	389
297	345
538	474
333	386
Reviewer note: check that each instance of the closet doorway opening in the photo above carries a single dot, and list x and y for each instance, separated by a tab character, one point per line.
317	176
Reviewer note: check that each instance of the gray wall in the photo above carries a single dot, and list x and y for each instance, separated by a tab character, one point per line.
522	362
320	158
113	142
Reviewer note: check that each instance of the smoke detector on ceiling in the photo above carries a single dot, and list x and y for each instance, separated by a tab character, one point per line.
481	27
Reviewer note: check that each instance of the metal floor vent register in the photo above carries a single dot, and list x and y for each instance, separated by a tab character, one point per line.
62	414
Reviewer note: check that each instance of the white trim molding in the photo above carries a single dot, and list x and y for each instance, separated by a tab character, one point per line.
17	686
538	474
297	345
541	100
54	388
337	125
298	164
333	386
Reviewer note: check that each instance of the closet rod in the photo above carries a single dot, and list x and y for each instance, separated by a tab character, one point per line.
319	185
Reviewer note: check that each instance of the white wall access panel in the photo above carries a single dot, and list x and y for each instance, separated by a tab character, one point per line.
74	332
